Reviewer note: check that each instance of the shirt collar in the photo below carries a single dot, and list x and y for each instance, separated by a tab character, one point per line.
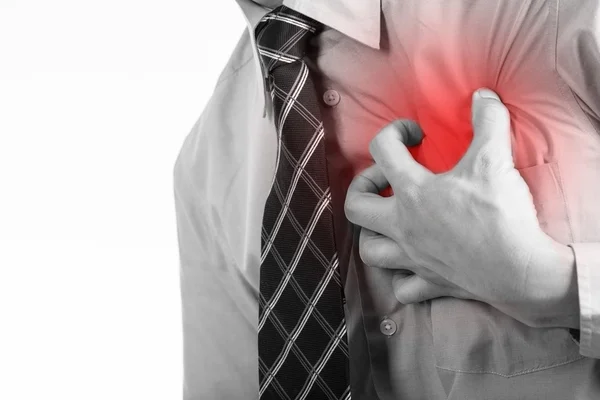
357	19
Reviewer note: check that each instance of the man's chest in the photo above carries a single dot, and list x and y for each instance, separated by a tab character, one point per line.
433	56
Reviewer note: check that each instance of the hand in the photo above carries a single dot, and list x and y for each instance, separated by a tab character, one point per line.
412	283
475	226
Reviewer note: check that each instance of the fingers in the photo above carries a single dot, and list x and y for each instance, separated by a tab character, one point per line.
394	165
491	145
414	289
389	151
370	180
382	252
364	207
408	284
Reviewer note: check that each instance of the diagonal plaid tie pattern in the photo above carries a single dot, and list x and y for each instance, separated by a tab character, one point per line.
302	340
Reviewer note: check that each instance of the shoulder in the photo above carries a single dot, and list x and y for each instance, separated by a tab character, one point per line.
240	58
219	142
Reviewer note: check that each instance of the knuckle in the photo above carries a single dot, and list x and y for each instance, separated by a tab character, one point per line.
367	253
485	158
401	294
388	131
403	290
491	113
350	206
403	298
411	194
375	253
409	295
361	183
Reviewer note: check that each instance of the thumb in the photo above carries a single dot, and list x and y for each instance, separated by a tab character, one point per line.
491	145
414	289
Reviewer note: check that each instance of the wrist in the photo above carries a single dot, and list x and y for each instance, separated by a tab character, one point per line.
556	294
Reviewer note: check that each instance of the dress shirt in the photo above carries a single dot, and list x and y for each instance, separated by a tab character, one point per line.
382	61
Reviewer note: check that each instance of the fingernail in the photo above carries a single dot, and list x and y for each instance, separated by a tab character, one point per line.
487	94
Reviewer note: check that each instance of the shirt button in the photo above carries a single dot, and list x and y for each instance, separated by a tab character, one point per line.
331	97
388	327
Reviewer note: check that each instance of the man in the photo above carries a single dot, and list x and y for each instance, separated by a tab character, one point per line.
302	278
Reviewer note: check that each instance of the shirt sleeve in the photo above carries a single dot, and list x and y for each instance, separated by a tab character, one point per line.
219	306
578	64
218	274
587	260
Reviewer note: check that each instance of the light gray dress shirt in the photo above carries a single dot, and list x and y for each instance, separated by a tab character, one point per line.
384	60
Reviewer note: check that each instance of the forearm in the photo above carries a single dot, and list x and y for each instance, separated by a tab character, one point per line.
559	299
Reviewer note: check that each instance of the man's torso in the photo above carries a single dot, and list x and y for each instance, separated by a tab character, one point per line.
433	56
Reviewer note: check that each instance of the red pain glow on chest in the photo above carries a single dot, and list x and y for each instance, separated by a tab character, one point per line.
445	119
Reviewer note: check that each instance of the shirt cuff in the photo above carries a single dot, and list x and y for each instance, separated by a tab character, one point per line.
587	261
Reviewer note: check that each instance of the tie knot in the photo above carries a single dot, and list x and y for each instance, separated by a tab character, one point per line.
282	36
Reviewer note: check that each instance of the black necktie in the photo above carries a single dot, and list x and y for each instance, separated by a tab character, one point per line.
303	347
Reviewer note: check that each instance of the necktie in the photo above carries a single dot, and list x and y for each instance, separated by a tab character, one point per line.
302	341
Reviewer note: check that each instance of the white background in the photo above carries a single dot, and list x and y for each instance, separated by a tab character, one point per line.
96	98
